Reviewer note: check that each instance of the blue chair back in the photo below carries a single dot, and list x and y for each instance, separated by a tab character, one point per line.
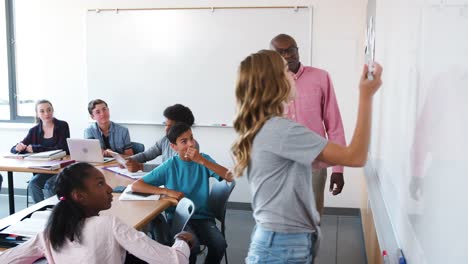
184	210
137	147
219	195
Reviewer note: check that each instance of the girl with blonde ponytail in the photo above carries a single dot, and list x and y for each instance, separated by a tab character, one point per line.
276	154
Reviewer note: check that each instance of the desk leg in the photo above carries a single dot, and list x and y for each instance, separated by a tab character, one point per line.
11	193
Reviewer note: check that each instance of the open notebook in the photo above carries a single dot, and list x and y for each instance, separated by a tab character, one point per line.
127	195
29	227
124	172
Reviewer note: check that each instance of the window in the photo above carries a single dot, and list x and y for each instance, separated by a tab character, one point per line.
17	74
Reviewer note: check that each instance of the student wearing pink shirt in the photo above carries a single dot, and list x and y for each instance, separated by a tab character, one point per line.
75	233
316	108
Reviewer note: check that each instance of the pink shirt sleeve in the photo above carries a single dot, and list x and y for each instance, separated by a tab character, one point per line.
143	247
25	253
332	118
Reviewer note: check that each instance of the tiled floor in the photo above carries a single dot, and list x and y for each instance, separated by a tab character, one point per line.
342	241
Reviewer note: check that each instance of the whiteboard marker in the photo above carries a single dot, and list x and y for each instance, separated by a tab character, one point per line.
385	257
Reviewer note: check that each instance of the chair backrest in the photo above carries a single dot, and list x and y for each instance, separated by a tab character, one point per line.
184	210
219	195
137	147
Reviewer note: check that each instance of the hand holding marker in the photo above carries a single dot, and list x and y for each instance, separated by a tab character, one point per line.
370	48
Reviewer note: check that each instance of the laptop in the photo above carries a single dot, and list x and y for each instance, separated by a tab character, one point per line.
86	150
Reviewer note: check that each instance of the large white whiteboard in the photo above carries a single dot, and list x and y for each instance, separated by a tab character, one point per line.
418	148
142	61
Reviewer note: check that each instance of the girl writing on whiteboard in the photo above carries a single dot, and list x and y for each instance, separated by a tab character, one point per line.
275	154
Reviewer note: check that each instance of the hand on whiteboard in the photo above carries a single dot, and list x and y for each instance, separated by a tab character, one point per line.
336	183
369	87
416	188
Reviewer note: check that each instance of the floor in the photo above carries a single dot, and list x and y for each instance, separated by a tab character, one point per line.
342	235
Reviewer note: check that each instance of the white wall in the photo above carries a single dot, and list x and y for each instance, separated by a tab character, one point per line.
338	27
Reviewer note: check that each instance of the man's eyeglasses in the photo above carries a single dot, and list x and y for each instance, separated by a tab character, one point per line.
289	51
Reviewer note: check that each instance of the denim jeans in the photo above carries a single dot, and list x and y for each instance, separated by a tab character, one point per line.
49	187
275	248
37	183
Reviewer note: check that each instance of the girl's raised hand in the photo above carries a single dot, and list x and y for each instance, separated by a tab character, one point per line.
369	87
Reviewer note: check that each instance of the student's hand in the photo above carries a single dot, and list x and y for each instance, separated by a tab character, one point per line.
20	147
368	87
187	237
106	152
229	177
338	180
133	166
175	194
194	155
29	149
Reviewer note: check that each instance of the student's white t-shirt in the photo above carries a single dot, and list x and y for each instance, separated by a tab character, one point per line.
105	239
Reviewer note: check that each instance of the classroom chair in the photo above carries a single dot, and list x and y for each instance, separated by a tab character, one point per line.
137	147
184	210
217	202
27	194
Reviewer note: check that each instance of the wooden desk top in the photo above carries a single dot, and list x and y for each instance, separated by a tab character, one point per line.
22	165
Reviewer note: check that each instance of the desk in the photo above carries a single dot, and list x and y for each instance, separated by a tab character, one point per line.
19	165
133	213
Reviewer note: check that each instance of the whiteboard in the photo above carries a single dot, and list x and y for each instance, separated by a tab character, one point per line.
140	62
418	147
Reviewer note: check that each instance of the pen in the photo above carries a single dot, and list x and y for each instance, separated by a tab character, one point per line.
223	125
401	257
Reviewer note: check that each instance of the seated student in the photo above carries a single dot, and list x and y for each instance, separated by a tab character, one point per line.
75	233
112	136
187	174
173	114
49	134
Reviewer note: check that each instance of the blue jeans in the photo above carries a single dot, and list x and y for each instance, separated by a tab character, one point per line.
37	183
275	248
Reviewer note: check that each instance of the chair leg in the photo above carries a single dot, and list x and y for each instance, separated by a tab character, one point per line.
27	195
225	256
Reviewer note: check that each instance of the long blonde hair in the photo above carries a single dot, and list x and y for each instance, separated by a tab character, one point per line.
261	92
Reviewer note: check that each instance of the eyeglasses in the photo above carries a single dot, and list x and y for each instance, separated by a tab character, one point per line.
289	51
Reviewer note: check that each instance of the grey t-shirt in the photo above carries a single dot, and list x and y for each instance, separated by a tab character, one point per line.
280	176
162	147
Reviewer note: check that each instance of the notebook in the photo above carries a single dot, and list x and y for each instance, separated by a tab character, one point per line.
86	150
128	195
47	155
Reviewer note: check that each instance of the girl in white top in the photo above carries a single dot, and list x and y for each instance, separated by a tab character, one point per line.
75	233
276	156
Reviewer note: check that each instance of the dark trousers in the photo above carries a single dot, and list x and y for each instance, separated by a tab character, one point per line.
205	232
